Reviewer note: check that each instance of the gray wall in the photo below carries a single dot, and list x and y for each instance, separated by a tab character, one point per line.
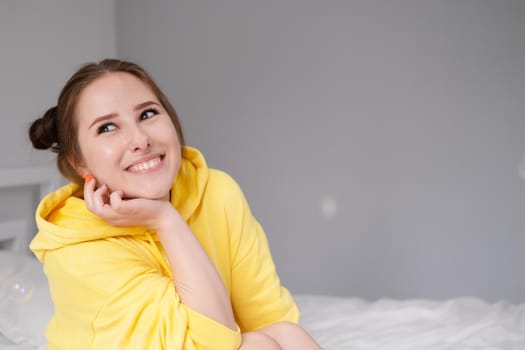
41	44
378	142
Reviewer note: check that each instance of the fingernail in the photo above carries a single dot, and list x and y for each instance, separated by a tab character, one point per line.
89	177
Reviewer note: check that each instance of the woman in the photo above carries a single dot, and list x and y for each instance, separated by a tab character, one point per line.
148	248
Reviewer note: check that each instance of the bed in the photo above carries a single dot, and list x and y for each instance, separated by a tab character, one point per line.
337	323
456	324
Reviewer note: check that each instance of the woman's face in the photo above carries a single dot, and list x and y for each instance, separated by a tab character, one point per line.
126	138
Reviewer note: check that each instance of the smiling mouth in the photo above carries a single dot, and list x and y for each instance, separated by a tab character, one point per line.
146	166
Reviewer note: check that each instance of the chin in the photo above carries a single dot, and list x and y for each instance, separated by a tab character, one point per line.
146	193
157	187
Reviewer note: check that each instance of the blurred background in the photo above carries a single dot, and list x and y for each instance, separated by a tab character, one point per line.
380	143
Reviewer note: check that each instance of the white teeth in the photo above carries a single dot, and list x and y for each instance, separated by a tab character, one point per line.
145	165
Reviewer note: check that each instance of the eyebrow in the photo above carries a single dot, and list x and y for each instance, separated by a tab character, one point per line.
145	104
113	115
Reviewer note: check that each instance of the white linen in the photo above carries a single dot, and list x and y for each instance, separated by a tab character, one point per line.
458	324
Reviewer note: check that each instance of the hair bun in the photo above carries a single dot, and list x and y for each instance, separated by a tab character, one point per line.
43	132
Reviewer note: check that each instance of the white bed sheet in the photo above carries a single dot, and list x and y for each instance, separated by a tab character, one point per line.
457	324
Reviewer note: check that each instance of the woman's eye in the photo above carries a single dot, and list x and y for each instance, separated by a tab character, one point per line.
106	128
148	113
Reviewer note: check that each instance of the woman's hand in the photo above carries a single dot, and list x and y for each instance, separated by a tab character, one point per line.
125	212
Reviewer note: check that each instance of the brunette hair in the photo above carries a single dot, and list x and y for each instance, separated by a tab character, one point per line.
57	128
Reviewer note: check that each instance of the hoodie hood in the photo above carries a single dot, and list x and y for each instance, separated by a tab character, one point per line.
63	219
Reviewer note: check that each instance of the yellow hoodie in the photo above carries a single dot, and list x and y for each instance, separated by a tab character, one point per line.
112	286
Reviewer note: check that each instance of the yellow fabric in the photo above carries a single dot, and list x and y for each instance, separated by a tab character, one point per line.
112	286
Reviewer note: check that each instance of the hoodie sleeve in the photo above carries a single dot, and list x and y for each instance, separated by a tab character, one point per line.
258	298
115	291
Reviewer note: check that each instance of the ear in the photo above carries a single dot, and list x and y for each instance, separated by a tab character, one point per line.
79	167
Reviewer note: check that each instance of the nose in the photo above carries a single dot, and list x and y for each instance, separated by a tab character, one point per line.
139	140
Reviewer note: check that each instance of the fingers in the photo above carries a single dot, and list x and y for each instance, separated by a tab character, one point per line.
115	200
101	196
98	199
89	187
115	210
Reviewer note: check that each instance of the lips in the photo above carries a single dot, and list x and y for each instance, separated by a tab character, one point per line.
145	165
